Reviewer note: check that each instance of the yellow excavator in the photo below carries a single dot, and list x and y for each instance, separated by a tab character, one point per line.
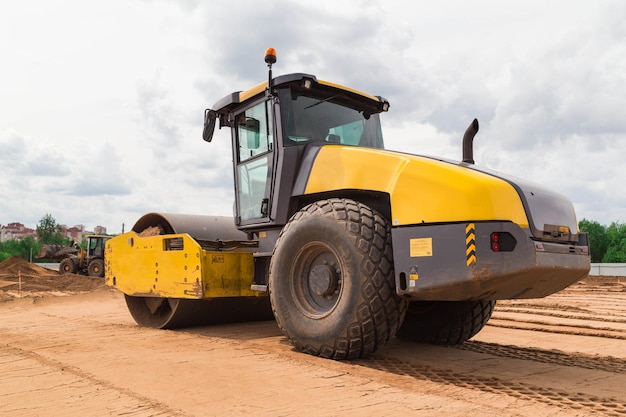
344	243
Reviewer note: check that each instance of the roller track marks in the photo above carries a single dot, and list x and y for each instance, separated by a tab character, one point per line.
607	364
597	312
579	402
528	309
594	311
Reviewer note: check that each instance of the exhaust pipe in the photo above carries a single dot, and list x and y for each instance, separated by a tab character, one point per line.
468	142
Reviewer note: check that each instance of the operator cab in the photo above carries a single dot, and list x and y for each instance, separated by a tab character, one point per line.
95	245
276	125
327	116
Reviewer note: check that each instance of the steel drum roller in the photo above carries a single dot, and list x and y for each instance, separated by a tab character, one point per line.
170	313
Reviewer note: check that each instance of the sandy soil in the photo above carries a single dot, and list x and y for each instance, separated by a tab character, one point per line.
69	347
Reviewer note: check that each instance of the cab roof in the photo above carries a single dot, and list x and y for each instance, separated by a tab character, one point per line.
233	100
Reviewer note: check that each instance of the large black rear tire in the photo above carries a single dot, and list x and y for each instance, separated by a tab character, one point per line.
96	268
445	322
331	281
68	266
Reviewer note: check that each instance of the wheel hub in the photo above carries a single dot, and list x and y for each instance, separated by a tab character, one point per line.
317	283
323	280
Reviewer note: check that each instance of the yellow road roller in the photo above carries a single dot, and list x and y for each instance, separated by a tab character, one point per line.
343	243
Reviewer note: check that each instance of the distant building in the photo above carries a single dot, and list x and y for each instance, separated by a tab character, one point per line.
75	233
100	230
15	231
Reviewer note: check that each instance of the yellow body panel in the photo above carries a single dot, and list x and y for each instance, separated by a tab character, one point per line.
252	91
421	190
176	266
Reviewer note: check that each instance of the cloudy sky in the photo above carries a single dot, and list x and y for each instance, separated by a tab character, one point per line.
101	103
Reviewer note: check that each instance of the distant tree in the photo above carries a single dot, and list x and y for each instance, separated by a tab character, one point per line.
48	230
598	240
616	237
4	255
9	248
28	248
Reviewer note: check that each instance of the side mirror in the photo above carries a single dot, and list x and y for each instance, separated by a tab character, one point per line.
210	116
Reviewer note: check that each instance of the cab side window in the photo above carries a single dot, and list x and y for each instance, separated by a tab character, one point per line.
254	141
254	130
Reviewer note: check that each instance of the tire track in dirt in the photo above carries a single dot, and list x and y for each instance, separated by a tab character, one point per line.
590	405
580	310
604	302
528	309
596	311
535	326
608	364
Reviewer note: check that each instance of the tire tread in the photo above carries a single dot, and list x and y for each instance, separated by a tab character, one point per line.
380	311
446	322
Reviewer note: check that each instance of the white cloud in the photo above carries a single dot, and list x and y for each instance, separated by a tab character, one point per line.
102	103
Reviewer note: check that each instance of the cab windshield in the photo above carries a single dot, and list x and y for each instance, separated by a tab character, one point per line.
332	119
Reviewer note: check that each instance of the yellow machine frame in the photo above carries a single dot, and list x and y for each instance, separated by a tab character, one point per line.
176	266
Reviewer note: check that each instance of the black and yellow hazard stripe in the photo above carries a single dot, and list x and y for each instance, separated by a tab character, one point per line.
470	244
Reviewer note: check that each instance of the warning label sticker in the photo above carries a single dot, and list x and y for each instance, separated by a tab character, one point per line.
413	275
421	247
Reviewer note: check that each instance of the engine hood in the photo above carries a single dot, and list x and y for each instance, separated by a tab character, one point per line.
551	215
426	190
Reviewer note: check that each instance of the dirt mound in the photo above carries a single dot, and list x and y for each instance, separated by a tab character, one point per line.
16	264
54	282
19	278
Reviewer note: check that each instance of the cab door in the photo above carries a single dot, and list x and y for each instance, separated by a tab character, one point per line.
253	173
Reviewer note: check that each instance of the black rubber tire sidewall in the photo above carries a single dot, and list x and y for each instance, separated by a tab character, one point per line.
368	311
68	266
445	322
328	231
93	265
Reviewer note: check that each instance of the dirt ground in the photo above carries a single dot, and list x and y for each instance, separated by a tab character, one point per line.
69	347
